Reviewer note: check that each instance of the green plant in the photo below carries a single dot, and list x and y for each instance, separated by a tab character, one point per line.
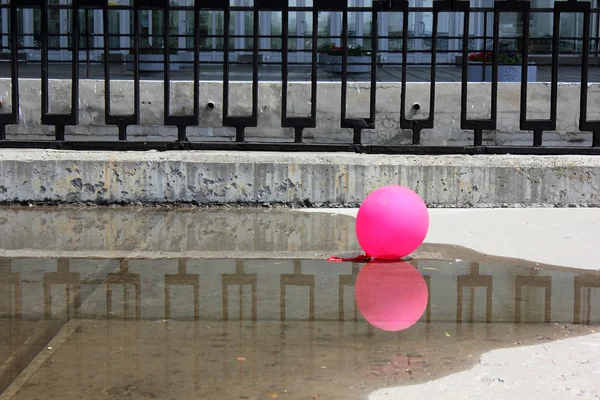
353	51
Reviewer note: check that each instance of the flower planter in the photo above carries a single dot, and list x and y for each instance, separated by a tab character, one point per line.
476	72
356	64
153	62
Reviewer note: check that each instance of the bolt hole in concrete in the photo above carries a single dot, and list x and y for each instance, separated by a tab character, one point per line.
192	303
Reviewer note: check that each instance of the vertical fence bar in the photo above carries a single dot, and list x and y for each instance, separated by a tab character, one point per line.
87	5
181	134
417	125
374	49
488	124
485	29
226	22
72	118
44	59
597	37
414	124
12	118
240	123
122	121
344	88
213	5
255	64
356	124
476	125
298	123
538	126
524	66
87	41
181	121
584	123
395	6
438	7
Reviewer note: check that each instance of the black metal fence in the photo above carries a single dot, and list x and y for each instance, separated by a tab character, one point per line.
583	46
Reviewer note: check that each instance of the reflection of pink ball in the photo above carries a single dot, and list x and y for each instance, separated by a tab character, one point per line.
392	222
391	295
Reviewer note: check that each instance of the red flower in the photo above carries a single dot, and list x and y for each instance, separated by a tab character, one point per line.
481	57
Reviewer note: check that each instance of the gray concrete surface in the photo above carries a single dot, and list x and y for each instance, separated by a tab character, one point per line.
321	179
447	130
565	369
565	237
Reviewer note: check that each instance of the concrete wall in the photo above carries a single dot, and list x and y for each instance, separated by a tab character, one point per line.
340	179
447	114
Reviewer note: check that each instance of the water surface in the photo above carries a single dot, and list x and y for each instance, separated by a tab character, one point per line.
226	328
241	304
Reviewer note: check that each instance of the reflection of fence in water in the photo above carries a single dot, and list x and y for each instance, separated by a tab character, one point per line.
182	278
289	349
299	280
585	282
347	280
533	280
125	279
12	280
427	279
69	283
71	280
473	281
12	309
240	279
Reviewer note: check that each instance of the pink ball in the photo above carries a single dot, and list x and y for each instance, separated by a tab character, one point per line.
391	295
392	222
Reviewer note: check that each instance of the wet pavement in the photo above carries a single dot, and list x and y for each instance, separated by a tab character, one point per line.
187	318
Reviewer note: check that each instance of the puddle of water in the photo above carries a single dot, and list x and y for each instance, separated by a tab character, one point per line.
225	328
129	303
159	233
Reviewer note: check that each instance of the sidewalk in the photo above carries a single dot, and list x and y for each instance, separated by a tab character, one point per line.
558	236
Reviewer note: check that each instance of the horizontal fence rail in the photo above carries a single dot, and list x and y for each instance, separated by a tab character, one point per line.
88	40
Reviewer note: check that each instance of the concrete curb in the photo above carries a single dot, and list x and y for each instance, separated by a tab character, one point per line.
329	179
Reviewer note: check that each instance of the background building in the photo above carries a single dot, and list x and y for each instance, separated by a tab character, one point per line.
300	24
